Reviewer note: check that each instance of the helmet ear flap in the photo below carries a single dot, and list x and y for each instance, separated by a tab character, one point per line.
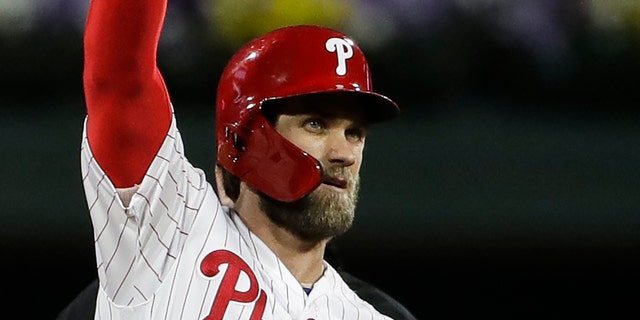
269	162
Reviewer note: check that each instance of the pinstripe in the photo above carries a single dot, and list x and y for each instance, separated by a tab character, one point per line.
115	295
141	293
192	275
117	244
151	266
95	201
113	200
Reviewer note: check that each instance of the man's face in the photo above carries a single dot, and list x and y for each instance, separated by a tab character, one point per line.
332	130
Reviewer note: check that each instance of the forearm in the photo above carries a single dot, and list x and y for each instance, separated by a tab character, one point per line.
127	103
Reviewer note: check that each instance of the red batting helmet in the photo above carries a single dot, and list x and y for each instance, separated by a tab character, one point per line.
287	62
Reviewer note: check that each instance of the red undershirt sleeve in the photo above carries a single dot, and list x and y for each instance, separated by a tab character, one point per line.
128	107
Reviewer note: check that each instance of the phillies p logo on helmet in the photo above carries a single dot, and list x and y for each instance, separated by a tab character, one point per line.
343	51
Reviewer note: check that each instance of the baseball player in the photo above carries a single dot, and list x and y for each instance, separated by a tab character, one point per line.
292	112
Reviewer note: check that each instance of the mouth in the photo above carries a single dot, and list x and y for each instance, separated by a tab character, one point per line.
335	182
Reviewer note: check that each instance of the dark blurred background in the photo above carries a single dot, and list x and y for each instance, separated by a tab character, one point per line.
508	187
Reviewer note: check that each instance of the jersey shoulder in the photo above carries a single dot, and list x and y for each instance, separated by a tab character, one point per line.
379	299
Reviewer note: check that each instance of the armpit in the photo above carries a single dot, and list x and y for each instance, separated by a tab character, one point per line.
127	193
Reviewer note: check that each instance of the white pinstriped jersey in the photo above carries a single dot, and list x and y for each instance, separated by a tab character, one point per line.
176	253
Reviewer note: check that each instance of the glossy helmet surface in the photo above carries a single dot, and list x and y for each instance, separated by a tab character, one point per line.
286	62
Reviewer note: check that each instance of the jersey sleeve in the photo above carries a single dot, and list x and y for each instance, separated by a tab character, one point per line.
137	245
127	102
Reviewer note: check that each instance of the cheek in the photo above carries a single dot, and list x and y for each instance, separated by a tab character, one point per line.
359	158
315	148
306	143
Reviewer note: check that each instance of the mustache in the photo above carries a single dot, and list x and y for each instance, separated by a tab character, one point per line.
338	176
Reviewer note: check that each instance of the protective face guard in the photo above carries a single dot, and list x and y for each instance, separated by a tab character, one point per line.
269	162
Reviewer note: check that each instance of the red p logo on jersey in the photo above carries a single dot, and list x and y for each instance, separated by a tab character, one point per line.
227	292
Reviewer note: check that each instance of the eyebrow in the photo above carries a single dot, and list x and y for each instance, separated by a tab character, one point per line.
358	120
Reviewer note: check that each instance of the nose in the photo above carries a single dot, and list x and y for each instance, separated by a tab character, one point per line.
340	150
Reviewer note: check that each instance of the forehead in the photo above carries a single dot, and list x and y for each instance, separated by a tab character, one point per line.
330	105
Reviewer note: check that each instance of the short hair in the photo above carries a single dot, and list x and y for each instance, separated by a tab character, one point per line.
231	184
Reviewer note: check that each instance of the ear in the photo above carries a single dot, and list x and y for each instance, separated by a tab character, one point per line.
224	199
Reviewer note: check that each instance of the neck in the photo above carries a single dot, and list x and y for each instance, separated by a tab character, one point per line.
303	258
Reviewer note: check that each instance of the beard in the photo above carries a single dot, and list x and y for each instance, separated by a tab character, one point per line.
322	214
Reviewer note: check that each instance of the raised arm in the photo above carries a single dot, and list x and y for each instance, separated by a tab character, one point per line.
127	102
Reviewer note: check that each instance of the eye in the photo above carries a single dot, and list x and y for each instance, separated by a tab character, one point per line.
314	124
356	134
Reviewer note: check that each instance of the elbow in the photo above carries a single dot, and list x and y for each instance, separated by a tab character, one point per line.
126	82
